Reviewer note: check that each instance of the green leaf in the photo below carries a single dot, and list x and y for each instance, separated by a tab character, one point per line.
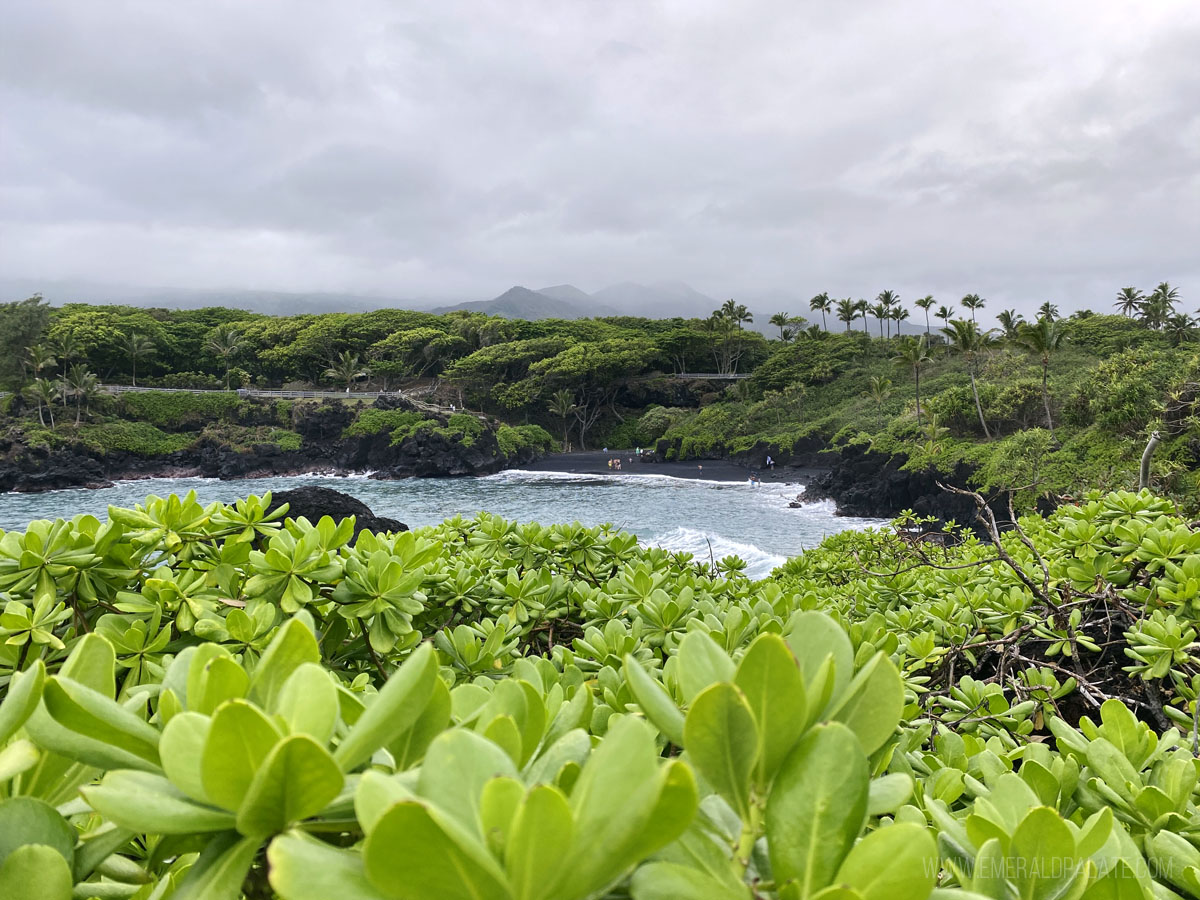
220	871
28	820
458	765
303	868
18	757
889	793
293	645
144	802
700	662
770	680
672	881
721	738
1044	846
541	837
394	710
817	807
899	862
93	715
298	779
308	702
873	703
35	872
21	699
182	750
239	739
409	749
415	854
221	679
655	702
813	637
498	806
93	663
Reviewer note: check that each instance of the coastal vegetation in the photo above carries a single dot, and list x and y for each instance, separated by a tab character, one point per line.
1050	406
222	702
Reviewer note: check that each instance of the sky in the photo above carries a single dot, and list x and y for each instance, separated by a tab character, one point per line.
761	149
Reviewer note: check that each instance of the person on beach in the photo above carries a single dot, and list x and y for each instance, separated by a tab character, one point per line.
770	462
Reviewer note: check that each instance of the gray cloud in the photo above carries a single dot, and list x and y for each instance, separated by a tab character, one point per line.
1023	150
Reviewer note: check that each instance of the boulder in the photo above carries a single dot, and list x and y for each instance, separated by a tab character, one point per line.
314	502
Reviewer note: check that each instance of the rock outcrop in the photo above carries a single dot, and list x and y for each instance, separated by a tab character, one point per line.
313	502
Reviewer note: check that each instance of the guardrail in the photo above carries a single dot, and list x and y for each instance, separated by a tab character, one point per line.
710	376
263	392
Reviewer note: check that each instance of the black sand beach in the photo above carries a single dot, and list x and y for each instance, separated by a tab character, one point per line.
595	462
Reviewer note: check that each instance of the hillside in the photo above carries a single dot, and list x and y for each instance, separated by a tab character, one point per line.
522	303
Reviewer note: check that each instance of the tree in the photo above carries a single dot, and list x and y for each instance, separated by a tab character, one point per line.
21	326
345	369
137	346
781	320
736	313
1180	328
1048	311
1158	308
562	404
44	392
966	339
39	358
861	308
889	299
944	313
847	312
973	302
925	304
822	303
225	342
899	314
81	386
879	390
66	348
913	354
1042	339
880	312
1129	301
1010	320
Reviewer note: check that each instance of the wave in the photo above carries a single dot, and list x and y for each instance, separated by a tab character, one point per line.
759	562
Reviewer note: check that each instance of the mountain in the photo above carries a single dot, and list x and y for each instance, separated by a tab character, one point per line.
522	303
568	293
662	300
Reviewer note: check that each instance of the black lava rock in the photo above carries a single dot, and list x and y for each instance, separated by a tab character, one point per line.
314	502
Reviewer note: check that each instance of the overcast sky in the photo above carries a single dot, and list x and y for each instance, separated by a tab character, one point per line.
1024	149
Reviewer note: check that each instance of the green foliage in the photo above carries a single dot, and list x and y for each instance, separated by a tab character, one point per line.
386	421
179	411
138	438
513	439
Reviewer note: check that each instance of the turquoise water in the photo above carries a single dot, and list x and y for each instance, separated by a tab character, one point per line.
675	513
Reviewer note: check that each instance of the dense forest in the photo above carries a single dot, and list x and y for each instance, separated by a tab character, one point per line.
1051	406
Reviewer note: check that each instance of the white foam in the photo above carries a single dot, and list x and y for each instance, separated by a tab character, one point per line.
759	562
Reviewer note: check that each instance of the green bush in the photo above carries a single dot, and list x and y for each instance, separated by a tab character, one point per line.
512	438
384	421
138	438
179	411
463	427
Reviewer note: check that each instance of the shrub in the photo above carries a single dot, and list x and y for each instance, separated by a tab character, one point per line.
384	421
138	438
513	438
179	411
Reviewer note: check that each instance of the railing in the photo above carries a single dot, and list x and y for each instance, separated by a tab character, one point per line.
261	392
710	376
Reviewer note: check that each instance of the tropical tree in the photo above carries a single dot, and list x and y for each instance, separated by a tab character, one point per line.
44	392
861	309
345	369
1048	310
944	313
1010	321
1042	339
925	304
973	302
39	358
736	313
821	303
137	346
879	389
1129	301
965	338
782	321
225	342
66	348
1157	308
1180	328
880	312
889	299
913	354
847	311
81	386
562	404
899	314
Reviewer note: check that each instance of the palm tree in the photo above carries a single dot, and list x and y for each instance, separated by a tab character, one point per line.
1129	300
966	339
913	354
39	357
44	392
889	299
847	312
562	404
66	347
1048	311
899	314
824	304
137	346
1042	339
861	308
781	320
880	312
973	302
1010	320
1180	328
944	313
345	368
814	331
879	390
1158	308
736	313
925	303
225	342
81	386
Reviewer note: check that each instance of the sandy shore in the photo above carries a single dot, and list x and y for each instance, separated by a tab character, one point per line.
595	462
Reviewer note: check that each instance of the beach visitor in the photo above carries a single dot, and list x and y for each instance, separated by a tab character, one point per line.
770	462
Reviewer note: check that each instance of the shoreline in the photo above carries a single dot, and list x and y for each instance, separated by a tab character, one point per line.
595	462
